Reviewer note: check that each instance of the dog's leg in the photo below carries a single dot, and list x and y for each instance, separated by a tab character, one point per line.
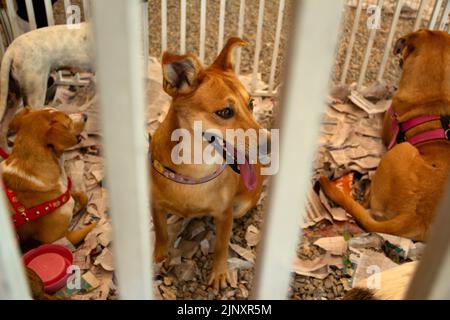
76	236
161	235
81	201
35	90
219	275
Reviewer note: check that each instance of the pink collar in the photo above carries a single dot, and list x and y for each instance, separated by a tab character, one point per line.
179	178
400	128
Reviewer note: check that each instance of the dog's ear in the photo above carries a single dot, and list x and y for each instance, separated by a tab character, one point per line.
60	138
15	123
181	74
224	60
400	44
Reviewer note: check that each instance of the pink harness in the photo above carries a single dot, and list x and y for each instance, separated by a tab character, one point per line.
400	128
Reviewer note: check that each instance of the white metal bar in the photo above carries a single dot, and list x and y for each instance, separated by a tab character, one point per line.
7	29
310	64
183	27
276	45
387	50
13	284
237	67
163	25
435	14
422	8
258	44
67	3
13	17
145	40
202	30
86	10
372	34
118	41
49	12
431	279
221	25
444	18
348	55
30	13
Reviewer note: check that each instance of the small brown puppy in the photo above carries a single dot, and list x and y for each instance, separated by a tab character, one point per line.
215	97
35	173
410	179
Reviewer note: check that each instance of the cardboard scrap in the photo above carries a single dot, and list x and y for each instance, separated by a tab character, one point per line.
369	262
244	253
240	264
105	259
333	245
252	236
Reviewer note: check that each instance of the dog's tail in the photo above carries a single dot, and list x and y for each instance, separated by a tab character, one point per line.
4	81
400	225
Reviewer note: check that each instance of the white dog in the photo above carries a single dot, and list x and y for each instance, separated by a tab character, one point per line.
32	56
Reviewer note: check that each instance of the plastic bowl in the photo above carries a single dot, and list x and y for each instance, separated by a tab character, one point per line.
50	262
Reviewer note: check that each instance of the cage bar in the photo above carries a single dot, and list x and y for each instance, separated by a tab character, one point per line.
258	44
373	33
221	25
145	40
348	55
86	10
435	14
310	65
202	30
163	25
118	41
30	13
13	283
49	12
387	50
276	46
183	27
11	9
423	6
444	19
237	67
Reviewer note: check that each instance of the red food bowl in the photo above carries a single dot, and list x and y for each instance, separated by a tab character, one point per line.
50	262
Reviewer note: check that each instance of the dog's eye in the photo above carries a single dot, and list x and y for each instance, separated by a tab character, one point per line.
251	104
225	113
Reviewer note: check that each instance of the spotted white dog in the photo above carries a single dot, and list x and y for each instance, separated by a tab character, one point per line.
32	56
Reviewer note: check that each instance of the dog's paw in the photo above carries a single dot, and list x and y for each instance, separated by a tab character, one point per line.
160	254
219	278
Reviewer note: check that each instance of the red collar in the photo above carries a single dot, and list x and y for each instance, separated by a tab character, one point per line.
399	129
24	215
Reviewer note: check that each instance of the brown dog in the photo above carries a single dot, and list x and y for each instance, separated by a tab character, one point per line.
35	173
409	181
215	97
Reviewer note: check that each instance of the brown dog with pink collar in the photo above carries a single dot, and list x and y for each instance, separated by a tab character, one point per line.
214	97
412	175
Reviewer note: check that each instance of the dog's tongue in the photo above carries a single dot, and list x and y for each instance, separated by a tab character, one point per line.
248	175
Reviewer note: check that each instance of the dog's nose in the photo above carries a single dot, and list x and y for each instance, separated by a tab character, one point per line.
85	117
